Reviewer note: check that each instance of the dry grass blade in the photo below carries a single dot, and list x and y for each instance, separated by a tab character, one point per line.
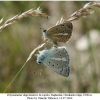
30	56
30	12
86	10
1	20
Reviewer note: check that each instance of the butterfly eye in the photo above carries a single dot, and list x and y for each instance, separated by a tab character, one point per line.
44	30
56	28
39	62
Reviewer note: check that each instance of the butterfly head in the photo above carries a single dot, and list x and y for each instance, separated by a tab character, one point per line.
44	31
41	56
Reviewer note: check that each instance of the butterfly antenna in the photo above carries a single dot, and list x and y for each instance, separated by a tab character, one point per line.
47	21
36	70
40	72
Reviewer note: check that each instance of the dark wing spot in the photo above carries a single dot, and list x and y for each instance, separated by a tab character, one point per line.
56	28
52	65
57	64
61	35
52	31
49	62
62	24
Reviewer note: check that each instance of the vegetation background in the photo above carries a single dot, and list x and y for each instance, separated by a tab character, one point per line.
20	38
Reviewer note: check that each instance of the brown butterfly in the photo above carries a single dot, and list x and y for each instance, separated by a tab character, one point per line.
59	33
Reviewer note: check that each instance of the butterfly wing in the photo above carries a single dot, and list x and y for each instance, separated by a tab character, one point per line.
58	61
61	32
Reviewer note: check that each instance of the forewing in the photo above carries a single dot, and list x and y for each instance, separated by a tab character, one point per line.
61	32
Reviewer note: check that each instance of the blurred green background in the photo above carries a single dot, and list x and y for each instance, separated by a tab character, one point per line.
20	38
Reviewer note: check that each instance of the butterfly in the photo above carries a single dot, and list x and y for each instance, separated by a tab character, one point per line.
57	59
59	33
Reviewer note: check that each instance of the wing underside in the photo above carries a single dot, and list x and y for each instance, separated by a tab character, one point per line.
58	61
60	33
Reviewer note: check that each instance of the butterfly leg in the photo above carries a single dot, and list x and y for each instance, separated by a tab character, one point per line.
44	40
55	44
